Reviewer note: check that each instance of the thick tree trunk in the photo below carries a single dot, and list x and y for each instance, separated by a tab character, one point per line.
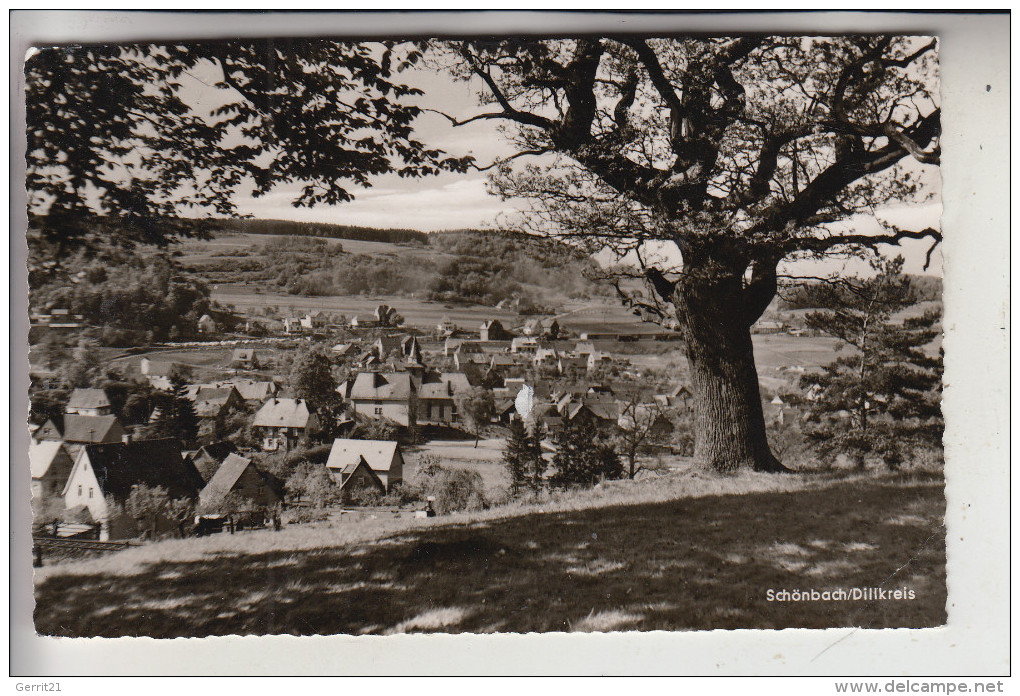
715	315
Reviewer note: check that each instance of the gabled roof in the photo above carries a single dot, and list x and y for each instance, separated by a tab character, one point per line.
388	344
88	398
604	410
251	390
226	477
283	413
435	390
378	453
120	465
348	471
380	386
680	390
42	454
47	431
208	458
218	394
90	428
160	367
443	385
504	405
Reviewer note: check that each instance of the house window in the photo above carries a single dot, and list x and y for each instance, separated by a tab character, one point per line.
378	410
90	491
79	491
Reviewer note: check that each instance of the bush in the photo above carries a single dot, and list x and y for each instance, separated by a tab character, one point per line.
363	497
312	482
304	515
453	490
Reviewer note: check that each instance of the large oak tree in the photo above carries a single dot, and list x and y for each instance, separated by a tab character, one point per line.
738	152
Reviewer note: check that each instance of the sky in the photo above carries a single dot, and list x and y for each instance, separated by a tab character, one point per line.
452	201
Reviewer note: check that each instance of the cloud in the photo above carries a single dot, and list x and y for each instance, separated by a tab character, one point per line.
461	202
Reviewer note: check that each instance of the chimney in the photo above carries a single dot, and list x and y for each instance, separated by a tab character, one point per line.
126	438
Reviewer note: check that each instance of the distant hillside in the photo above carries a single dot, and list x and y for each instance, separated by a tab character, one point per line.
321	229
923	288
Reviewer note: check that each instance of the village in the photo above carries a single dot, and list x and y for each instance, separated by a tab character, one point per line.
481	335
264	453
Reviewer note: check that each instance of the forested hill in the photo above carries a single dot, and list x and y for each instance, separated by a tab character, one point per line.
321	229
923	288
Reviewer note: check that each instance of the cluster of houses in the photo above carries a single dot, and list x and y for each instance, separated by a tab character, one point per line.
319	323
91	467
90	458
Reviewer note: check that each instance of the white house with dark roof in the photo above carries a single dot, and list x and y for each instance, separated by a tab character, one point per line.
207	324
437	397
389	395
247	358
384	457
493	330
280	423
111	470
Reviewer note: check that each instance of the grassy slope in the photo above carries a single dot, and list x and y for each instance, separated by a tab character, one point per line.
671	553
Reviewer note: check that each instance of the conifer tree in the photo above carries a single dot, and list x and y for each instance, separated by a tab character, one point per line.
177	416
516	455
881	399
583	458
536	463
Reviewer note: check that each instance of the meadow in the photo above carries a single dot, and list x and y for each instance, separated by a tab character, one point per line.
683	551
421	314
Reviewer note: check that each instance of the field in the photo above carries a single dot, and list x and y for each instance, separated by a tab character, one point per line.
486	459
422	314
680	552
202	256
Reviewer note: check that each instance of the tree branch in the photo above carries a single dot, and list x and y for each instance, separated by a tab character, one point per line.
509	111
816	244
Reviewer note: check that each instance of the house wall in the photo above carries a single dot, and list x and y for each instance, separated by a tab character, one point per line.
397	411
435	411
83	489
359	480
396	473
252	486
279	438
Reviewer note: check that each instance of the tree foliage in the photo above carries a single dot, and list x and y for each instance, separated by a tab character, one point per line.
583	457
882	398
142	295
730	153
145	131
451	489
311	482
523	459
83	367
476	407
176	417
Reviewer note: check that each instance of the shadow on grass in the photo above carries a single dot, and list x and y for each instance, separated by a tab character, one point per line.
689	564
